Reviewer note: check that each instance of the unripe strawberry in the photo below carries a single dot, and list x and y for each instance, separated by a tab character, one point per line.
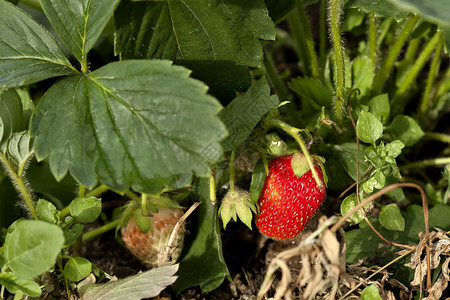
288	202
147	246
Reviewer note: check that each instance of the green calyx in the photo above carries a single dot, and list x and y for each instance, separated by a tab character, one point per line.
236	204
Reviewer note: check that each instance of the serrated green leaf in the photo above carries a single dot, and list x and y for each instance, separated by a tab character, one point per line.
379	106
32	247
383	9
406	129
245	111
313	89
348	204
85	209
363	73
211	37
369	128
79	23
14	285
47	212
391	218
134	123
28	53
77	268
19	147
11	116
434	11
370	293
258	179
144	285
203	245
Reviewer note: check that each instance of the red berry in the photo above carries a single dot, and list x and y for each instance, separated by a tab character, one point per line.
288	202
146	247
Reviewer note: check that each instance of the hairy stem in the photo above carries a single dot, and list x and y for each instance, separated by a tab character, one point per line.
20	185
334	17
382	75
397	104
212	187
98	191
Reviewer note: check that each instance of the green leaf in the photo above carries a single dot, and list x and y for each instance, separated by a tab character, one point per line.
19	148
85	209
28	53
258	179
245	111
144	285
134	123
352	19
216	39
370	293
377	181
383	9
11	116
379	106
363	72
313	89
14	285
71	235
394	148
47	212
144	223
391	218
348	204
77	268
405	129
346	154
369	128
79	23
32	247
433	11
203	245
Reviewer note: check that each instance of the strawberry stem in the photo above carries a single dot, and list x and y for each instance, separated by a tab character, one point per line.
144	198
212	187
292	131
232	186
100	230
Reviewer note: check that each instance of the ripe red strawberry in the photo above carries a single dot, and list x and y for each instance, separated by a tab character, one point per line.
288	202
146	247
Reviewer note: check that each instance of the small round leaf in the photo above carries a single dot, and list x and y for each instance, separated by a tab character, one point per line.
348	204
77	268
369	128
370	293
391	218
85	209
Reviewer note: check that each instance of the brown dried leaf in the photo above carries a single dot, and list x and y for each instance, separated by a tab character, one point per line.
441	283
331	247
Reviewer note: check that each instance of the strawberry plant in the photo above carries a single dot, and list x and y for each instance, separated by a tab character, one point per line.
263	148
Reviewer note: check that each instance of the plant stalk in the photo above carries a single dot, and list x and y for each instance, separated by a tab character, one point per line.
444	138
232	186
20	185
306	30
269	67
100	230
323	38
292	131
397	104
426	163
382	75
334	17
434	70
212	187
98	191
373	38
